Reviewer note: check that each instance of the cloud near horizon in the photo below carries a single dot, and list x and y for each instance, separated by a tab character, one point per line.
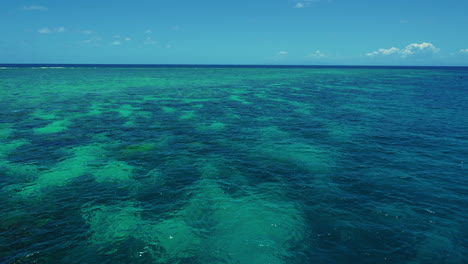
86	32
299	5
149	41
305	3
317	54
410	50
464	51
46	30
34	8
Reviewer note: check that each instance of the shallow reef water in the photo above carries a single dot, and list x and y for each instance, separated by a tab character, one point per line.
236	165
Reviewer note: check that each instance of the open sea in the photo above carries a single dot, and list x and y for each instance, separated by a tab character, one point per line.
231	164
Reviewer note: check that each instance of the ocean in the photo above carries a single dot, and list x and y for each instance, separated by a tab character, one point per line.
233	164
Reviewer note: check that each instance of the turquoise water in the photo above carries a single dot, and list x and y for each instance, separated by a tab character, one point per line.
233	165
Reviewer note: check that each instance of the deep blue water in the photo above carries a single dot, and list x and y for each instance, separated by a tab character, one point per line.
233	164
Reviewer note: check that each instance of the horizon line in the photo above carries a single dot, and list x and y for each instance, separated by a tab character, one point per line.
118	65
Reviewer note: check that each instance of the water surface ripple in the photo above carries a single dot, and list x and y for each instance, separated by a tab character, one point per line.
233	165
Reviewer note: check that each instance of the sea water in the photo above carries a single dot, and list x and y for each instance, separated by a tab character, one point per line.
233	165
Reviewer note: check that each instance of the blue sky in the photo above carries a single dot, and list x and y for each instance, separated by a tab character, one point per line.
311	32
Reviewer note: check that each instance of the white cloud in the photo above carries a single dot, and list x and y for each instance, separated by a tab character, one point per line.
299	5
384	52
92	41
282	53
306	3
415	48
176	27
148	31
86	32
34	8
465	51
404	21
410	50
121	37
317	54
149	41
116	43
46	30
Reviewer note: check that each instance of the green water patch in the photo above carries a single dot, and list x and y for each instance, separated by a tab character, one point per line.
126	110
66	170
19	171
210	168
261	94
154	177
217	126
430	248
197	145
269	166
236	230
439	246
133	150
250	227
197	106
214	126
143	115
240	99
362	108
81	160
268	134
167	109
137	118
251	230
112	223
342	131
303	108
143	147
6	130
45	115
114	171
7	147
223	172
312	158
240	89
177	99
15	170
211	226
279	84
276	146
130	124
53	127
98	108
242	229
178	239
187	115
220	168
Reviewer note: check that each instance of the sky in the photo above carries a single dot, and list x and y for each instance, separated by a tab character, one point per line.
289	32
